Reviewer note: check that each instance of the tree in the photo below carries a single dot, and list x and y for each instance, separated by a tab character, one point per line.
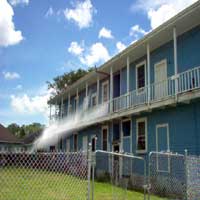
24	130
63	81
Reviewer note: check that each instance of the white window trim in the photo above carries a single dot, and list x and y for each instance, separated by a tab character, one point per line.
102	90
92	96
140	91
166	125
102	128
143	119
163	61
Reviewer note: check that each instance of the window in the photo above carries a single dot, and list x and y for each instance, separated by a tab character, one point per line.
126	128
75	142
105	91
141	76
105	138
93	100
116	131
141	135
61	144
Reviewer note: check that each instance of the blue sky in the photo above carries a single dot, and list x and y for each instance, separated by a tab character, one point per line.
40	39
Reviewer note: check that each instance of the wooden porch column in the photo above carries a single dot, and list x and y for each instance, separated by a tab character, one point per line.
98	85
77	99
111	89
148	73
175	60
128	74
68	112
61	108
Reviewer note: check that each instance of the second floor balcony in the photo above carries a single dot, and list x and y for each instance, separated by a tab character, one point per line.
183	87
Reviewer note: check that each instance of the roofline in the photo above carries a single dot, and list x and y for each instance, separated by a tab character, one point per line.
141	41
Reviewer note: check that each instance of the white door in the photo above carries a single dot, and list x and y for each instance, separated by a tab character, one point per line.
161	84
85	143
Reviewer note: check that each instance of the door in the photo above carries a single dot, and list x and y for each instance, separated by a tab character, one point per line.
162	145
85	143
105	91
161	79
116	85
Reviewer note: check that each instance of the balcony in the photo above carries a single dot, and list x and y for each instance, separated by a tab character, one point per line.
182	87
172	88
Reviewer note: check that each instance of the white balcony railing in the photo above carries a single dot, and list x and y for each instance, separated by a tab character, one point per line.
184	82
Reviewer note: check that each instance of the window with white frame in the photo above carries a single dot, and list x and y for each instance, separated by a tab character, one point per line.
94	99
126	128
141	76
105	91
105	138
141	130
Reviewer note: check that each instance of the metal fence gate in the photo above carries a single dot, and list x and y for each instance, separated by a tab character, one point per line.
122	172
44	176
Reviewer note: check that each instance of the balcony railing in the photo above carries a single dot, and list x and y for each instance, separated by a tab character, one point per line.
183	82
175	85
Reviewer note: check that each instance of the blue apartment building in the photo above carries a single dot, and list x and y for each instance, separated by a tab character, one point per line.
152	89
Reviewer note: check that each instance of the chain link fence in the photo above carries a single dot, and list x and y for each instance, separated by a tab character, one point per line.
44	176
174	176
167	175
122	172
193	177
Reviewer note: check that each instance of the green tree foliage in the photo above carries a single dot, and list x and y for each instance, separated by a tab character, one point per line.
24	130
61	82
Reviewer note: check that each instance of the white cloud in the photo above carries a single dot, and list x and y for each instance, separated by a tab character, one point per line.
11	75
31	105
18	87
81	14
136	32
105	33
49	12
97	53
120	46
8	35
159	11
75	48
16	2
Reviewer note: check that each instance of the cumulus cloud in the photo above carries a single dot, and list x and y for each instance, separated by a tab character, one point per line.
11	75
136	32
49	12
8	35
75	48
159	11
18	87
97	53
120	46
81	14
17	2
27	104
105	33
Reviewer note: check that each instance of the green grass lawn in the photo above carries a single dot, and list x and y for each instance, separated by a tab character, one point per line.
29	184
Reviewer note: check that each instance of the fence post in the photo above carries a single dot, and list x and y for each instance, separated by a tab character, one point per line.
89	168
186	174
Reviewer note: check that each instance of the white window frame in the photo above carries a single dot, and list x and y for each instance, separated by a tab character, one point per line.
92	96
143	119
102	128
166	125
102	90
140	90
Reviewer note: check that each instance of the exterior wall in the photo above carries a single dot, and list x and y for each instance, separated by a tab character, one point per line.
11	147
